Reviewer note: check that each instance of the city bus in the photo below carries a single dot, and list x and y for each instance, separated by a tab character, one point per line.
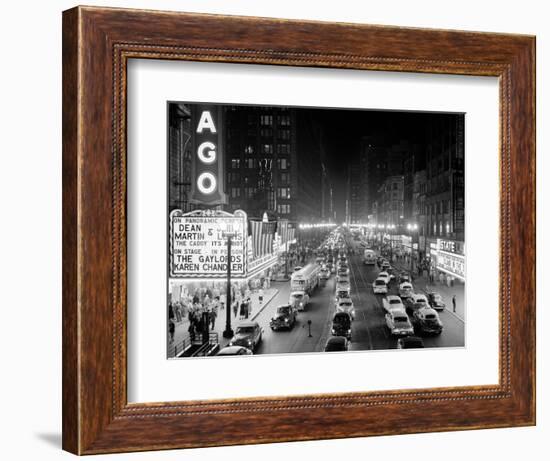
369	257
306	279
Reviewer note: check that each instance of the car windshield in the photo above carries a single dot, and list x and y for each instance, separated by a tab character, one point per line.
395	301
283	310
297	296
379	282
244	330
346	304
400	319
430	317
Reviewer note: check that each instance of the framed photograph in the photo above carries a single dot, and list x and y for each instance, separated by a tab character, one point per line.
280	230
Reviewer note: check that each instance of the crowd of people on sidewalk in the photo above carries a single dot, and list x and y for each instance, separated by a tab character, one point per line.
201	305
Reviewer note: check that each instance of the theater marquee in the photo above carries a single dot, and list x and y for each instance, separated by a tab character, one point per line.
198	244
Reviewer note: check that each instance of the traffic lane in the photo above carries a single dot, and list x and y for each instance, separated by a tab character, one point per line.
297	339
369	328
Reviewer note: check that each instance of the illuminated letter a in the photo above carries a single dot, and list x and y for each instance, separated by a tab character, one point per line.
206	122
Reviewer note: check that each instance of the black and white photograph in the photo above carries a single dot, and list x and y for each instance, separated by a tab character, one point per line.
313	230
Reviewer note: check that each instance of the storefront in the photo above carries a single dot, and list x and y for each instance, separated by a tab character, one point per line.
450	261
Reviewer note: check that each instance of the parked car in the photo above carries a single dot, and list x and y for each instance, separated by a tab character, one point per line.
285	317
392	302
341	325
415	301
346	305
426	321
247	334
380	286
410	342
398	323
337	344
435	300
298	300
235	350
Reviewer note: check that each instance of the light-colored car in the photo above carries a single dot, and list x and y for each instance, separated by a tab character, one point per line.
234	350
392	302
416	301
384	275
298	300
398	323
380	286
247	334
344	293
346	305
406	289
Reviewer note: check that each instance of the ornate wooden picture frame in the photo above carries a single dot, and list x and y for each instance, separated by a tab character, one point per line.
97	44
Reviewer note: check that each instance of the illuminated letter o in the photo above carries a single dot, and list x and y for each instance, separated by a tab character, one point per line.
210	155
203	177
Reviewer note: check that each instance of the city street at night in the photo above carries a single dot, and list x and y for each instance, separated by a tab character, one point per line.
287	236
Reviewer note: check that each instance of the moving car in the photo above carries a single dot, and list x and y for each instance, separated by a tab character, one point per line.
386	265
342	279
379	286
426	321
337	344
385	276
436	300
398	323
235	350
285	317
341	325
298	300
342	271
247	334
406	290
404	277
324	274
346	305
392	302
343	293
410	342
415	301
343	285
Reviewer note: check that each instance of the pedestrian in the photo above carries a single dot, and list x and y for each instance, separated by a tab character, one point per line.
261	296
171	324
213	316
191	331
454	303
242	310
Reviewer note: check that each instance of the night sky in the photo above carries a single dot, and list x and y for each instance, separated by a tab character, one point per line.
342	132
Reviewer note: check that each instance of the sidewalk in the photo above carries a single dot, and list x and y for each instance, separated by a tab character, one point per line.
421	283
182	328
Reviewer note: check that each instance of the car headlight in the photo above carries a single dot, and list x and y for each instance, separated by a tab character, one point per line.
333	330
286	320
230	343
301	304
249	342
349	330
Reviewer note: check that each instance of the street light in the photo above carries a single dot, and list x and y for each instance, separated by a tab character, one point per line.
228	233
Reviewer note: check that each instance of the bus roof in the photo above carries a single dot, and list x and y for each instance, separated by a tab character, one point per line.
306	271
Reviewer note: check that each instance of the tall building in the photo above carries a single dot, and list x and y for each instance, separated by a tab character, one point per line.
273	157
445	178
179	145
389	202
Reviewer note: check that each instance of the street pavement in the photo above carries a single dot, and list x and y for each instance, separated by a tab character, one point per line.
369	330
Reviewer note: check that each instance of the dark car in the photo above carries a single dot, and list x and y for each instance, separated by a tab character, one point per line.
426	321
336	344
285	317
436	301
341	325
410	342
247	334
